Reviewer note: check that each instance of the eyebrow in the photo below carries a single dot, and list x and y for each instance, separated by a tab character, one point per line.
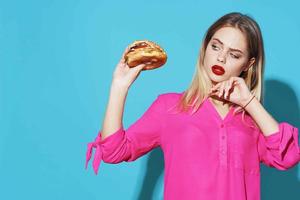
229	48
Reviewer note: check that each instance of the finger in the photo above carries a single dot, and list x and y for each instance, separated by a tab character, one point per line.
234	83
229	86
211	90
124	53
237	80
126	50
123	65
226	89
231	80
126	66
214	93
122	60
139	67
215	87
221	90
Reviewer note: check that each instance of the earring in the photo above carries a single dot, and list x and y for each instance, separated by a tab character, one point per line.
248	68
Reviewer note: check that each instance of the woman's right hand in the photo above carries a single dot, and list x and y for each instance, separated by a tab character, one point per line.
123	75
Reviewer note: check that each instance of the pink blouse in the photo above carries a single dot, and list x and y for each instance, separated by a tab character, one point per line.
206	157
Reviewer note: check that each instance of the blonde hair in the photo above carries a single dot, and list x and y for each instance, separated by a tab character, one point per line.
198	90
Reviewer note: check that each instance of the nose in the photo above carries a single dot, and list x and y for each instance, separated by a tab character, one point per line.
221	57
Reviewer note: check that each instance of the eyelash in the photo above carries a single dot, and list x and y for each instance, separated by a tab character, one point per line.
234	56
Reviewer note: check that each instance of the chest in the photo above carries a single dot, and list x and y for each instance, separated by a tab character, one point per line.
209	139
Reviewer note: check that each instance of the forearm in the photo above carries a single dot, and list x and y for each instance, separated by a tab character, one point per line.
114	110
264	120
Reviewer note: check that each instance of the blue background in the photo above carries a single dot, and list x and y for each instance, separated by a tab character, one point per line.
56	65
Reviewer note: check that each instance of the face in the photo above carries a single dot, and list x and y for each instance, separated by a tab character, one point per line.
226	55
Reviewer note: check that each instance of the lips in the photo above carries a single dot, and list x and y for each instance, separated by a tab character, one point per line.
218	70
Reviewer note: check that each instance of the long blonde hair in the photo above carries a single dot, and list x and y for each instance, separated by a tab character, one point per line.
198	90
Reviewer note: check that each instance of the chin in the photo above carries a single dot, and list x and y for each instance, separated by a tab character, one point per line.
216	78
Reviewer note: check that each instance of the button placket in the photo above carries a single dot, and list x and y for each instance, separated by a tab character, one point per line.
223	146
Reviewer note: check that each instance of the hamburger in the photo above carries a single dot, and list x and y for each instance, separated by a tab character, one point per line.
145	52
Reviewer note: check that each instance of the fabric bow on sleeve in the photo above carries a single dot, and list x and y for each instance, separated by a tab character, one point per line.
98	155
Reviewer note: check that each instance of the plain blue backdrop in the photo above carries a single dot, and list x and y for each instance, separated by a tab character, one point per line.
56	64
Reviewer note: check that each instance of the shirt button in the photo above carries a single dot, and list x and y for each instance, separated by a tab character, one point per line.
223	137
222	125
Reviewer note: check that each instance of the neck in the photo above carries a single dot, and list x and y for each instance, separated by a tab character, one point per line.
220	102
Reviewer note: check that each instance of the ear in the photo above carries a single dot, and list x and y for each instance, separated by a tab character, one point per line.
250	64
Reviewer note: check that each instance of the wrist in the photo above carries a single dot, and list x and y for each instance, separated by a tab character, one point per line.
247	101
117	90
253	106
119	85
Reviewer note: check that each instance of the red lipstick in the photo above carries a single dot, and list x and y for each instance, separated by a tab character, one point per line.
218	70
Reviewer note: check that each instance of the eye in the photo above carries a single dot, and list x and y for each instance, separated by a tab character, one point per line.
234	56
214	46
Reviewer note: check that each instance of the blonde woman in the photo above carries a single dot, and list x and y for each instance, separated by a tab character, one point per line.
215	133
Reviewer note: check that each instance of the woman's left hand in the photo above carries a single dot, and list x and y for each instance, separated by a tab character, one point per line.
234	90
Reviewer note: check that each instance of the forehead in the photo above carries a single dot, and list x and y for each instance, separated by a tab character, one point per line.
231	38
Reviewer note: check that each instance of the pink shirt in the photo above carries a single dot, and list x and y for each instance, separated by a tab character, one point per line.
206	157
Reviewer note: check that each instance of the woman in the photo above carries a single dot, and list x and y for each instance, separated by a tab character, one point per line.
213	135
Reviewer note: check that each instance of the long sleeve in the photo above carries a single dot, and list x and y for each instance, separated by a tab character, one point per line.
281	149
128	145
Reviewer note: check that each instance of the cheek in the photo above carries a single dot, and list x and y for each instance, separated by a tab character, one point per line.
235	69
209	57
210	53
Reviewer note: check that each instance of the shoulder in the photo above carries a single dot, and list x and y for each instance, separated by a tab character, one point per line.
169	99
170	96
